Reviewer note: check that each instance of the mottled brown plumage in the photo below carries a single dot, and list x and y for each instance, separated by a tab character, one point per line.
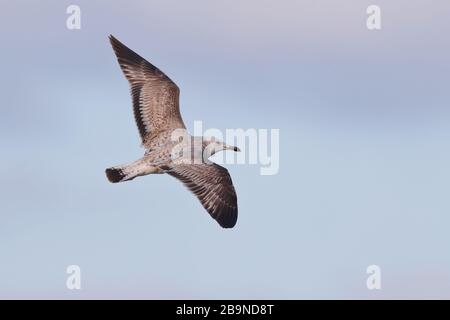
156	110
155	96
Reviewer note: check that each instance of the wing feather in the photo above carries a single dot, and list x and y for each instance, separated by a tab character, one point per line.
214	188
155	97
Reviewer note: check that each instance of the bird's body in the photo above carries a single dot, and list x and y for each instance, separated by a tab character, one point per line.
169	148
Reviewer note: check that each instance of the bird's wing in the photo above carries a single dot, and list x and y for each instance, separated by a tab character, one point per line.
155	96
212	185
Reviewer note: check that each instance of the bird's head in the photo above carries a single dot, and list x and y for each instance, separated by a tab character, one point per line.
212	146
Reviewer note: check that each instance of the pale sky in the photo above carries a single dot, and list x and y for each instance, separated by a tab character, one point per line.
364	150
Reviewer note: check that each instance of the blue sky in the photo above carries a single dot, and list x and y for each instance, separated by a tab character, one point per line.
364	150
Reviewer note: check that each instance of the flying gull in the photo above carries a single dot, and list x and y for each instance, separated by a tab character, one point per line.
169	148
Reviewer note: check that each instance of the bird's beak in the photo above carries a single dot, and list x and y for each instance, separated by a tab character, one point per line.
232	148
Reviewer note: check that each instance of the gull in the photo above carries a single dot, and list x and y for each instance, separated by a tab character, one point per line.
168	147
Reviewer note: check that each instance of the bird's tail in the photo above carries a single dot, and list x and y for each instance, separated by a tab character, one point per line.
115	174
127	172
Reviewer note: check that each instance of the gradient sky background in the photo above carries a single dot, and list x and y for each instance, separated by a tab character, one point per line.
364	120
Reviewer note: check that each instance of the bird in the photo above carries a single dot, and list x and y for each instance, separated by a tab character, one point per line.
169	148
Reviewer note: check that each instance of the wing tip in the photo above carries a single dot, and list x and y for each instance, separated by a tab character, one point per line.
126	56
228	220
112	39
115	43
122	51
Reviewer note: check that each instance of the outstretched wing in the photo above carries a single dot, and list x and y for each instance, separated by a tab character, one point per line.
212	185
155	96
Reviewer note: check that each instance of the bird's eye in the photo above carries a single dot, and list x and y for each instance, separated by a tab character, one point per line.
236	149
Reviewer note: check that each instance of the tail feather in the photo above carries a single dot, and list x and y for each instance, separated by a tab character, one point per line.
115	175
127	172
